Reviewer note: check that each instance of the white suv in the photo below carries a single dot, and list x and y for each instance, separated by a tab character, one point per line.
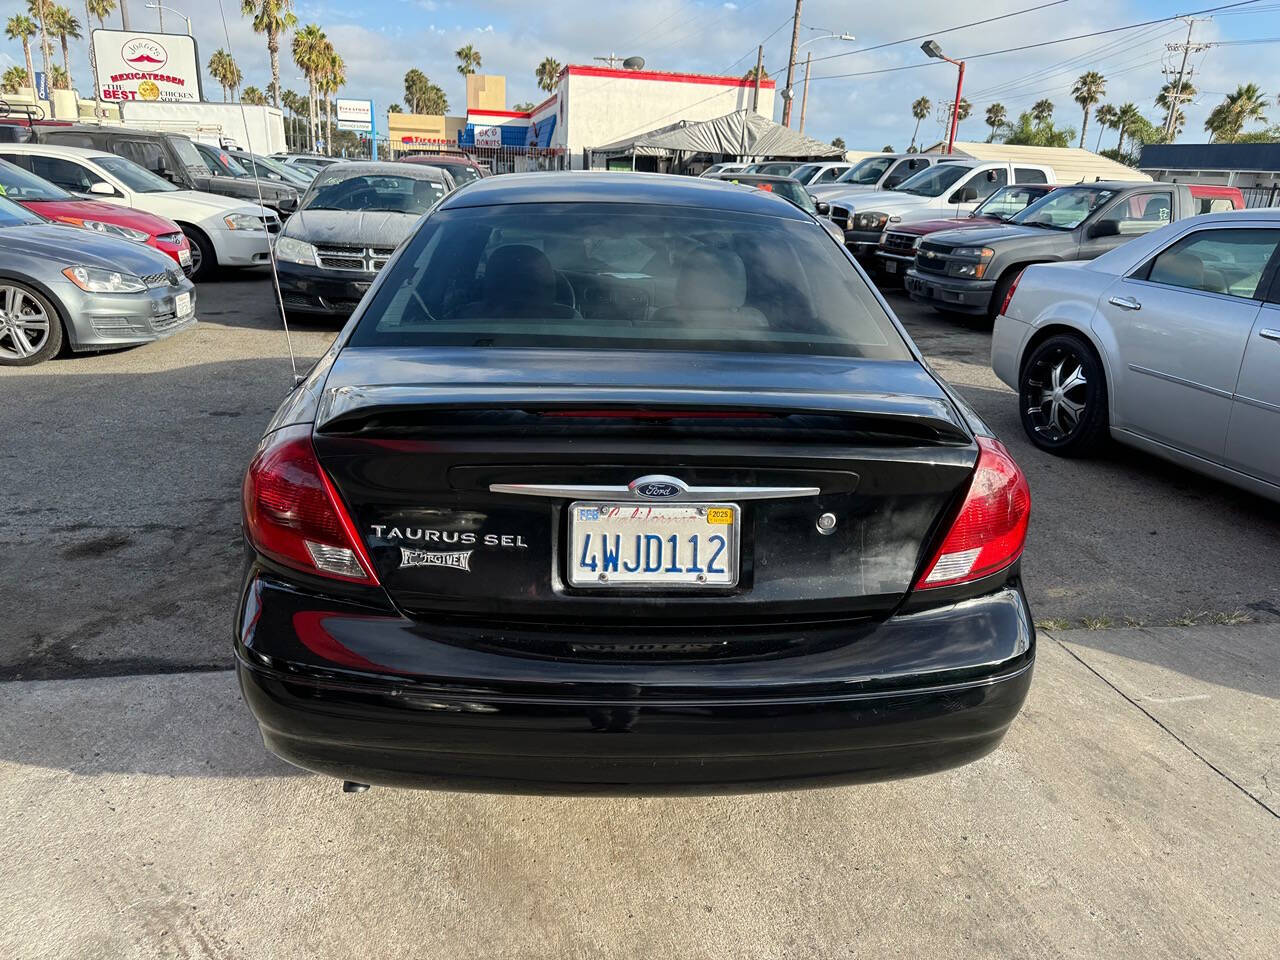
223	231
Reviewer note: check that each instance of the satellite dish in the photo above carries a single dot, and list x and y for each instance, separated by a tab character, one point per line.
633	63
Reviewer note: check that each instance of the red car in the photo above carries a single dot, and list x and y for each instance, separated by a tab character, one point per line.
462	169
897	249
53	203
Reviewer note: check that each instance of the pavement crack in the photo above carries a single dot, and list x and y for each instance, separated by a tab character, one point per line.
1150	716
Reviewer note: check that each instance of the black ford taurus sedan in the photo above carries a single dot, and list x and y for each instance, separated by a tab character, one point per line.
629	483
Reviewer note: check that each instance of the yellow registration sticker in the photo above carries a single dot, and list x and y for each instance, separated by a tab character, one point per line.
719	515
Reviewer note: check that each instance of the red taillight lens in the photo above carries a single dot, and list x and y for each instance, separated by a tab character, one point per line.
293	514
1008	297
991	527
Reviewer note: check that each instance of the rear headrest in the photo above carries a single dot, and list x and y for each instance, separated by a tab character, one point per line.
518	272
712	279
1181	269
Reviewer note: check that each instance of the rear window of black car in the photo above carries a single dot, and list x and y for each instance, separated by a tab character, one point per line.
626	276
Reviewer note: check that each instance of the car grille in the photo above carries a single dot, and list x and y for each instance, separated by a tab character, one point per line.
170	278
899	242
273	224
365	259
840	216
167	321
932	258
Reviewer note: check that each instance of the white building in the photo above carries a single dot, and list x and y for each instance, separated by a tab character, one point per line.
593	106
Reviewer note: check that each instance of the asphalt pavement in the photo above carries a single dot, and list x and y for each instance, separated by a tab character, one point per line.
1132	810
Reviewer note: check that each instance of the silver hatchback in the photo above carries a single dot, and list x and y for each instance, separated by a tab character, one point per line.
61	284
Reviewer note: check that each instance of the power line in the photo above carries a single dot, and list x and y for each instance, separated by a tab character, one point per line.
1036	46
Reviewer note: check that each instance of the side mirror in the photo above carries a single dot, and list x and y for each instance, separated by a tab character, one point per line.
965	195
1104	228
824	208
102	189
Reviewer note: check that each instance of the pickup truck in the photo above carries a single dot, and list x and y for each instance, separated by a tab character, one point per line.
970	271
884	171
951	188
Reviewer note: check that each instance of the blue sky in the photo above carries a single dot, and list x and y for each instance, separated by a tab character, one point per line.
381	39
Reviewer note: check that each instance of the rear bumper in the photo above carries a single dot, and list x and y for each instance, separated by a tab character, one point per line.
380	699
950	293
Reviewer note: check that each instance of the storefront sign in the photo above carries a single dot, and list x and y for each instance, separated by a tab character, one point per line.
147	66
355	115
488	136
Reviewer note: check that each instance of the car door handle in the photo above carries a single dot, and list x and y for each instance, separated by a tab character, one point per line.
1125	303
1267	334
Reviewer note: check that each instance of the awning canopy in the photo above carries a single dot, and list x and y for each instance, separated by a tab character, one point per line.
743	133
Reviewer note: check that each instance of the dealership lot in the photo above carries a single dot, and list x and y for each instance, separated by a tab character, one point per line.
1134	805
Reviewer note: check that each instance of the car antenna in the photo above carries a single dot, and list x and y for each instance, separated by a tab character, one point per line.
257	182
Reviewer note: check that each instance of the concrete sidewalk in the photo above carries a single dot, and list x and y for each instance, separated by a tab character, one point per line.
1131	812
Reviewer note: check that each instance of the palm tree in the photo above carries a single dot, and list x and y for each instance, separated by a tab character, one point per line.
750	75
468	59
962	112
1088	91
996	118
1042	112
1245	105
254	97
838	143
21	27
39	9
395	108
309	53
272	17
415	85
1127	114
222	67
99	10
1170	98
1106	117
14	77
333	80
920	109
58	79
548	73
64	26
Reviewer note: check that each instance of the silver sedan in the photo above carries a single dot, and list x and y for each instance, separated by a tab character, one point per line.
1169	343
60	285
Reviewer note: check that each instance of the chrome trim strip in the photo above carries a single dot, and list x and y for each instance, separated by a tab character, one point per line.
1260	404
623	492
1170	378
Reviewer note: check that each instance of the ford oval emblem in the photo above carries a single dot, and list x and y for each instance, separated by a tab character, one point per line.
658	487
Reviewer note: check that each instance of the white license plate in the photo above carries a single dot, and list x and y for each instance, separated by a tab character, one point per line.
182	304
184	258
652	545
891	266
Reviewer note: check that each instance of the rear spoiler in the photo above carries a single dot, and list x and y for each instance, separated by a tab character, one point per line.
346	409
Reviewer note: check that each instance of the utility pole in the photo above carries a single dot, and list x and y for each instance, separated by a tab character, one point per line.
1176	95
791	66
755	97
804	100
124	14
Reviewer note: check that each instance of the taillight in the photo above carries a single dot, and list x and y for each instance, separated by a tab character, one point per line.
293	514
1008	297
989	531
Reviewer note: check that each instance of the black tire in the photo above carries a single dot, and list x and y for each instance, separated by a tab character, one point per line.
12	354
1060	374
204	262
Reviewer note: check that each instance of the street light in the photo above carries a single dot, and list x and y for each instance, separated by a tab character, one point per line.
789	94
160	8
931	49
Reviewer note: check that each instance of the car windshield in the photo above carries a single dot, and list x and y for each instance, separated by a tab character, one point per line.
934	181
1008	201
187	152
462	172
18	184
626	276
868	171
389	193
13	215
266	167
136	178
787	189
805	173
231	164
1064	209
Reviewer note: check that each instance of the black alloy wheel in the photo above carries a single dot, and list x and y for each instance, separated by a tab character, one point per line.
1062	397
